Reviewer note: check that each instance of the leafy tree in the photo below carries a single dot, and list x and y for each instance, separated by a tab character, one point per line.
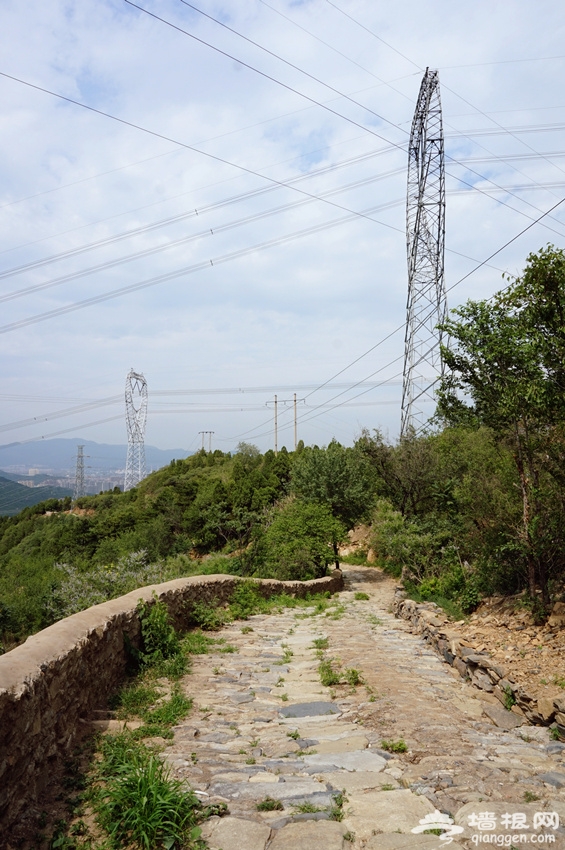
506	372
339	478
297	542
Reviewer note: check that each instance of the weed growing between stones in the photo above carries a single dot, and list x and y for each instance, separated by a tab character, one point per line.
530	797
509	698
136	801
320	643
337	612
399	746
360	596
336	810
159	639
353	677
307	808
269	805
374	621
328	676
295	735
388	786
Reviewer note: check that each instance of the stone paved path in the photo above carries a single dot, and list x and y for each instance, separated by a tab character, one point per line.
263	726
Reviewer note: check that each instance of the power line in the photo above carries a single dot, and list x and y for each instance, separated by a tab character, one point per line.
447	88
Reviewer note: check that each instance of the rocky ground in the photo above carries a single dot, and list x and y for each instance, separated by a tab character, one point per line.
535	654
316	759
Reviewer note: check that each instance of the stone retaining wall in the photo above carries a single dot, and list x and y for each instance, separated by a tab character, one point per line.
478	668
50	685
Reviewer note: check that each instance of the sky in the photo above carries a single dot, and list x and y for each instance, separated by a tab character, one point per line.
213	195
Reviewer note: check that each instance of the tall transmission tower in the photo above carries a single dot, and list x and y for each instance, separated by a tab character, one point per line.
136	417
79	474
425	240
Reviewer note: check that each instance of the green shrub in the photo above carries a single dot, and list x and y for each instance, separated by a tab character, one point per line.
328	676
399	746
139	804
269	805
209	617
159	639
297	542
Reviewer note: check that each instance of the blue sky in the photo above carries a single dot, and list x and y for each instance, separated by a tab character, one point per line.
99	206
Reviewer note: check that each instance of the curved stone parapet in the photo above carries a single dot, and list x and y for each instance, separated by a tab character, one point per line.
50	685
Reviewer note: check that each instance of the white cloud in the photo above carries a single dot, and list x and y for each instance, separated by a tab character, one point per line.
298	312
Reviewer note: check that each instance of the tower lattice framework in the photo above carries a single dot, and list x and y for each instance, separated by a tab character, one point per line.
425	241
136	417
79	474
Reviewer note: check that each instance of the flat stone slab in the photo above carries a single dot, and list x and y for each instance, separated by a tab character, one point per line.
407	842
240	699
553	778
309	835
385	811
465	817
342	745
502	718
303	789
358	780
235	833
309	709
356	760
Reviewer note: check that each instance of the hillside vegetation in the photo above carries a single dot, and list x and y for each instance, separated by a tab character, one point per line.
15	497
472	508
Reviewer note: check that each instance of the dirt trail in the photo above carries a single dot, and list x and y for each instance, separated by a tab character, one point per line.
263	726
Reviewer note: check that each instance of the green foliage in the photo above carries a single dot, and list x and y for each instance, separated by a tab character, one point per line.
336	809
269	805
399	746
247	600
297	542
208	616
159	720
139	803
159	639
506	372
509	698
360	596
353	677
339	478
320	643
328	676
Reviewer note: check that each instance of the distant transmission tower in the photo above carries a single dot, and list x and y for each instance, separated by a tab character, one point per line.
136	416
79	475
425	238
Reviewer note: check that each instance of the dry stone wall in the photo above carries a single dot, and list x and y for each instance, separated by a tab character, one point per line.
51	684
428	619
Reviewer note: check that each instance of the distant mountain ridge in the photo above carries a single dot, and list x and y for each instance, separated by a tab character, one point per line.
59	456
15	497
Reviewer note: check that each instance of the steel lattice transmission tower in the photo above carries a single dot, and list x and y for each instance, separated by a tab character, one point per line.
425	239
79	474
136	417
